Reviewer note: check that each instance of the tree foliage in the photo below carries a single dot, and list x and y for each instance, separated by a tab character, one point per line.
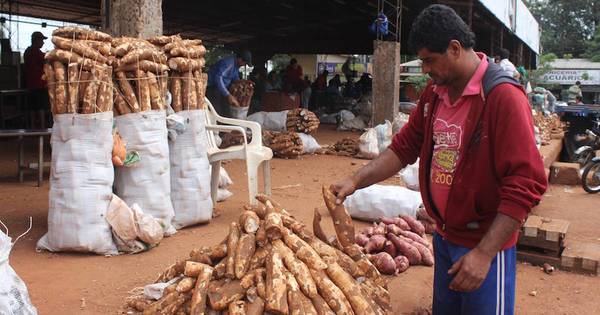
567	25
592	51
535	76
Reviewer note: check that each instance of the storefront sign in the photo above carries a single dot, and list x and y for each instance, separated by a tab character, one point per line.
569	77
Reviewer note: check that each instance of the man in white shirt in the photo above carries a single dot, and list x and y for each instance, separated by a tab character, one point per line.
506	65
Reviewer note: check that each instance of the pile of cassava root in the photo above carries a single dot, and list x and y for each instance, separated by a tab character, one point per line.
270	263
243	90
287	144
302	120
344	147
78	73
396	243
141	76
186	61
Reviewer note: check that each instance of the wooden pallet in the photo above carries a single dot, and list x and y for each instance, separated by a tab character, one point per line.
538	259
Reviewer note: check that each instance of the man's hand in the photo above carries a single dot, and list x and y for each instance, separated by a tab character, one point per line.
470	270
232	101
343	189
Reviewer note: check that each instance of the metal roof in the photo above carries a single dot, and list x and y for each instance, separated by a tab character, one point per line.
575	63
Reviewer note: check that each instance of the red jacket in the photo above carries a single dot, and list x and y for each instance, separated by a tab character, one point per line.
501	169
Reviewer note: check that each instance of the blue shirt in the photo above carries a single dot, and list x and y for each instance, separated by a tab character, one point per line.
222	73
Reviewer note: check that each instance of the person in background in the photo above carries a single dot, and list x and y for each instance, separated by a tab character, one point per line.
306	93
472	132
321	81
506	65
34	69
292	79
334	85
272	83
574	93
220	77
365	83
346	69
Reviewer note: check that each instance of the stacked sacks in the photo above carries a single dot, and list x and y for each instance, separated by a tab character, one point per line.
80	93
190	169
140	73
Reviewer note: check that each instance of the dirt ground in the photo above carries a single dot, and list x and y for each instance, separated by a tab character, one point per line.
64	283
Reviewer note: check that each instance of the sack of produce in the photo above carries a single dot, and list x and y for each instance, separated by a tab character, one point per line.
377	201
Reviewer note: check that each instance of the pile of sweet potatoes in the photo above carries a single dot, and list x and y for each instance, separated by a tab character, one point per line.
271	263
394	244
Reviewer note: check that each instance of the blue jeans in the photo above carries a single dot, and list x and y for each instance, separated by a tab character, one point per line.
496	294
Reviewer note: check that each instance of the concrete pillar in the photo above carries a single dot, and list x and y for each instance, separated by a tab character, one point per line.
386	81
135	18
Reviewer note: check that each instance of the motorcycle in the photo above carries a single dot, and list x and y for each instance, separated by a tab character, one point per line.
590	176
585	153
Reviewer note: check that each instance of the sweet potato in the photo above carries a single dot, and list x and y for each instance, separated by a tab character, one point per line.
331	293
405	248
128	93
255	307
393	228
426	254
232	241
298	303
73	87
361	239
384	263
321	306
317	229
368	231
198	303
201	255
143	88
185	284
60	78
273	226
379	229
390	248
243	253
376	244
350	287
276	285
260	255
342	222
415	237
402	263
249	221
414	224
297	268
193	269
223	292
237	308
401	223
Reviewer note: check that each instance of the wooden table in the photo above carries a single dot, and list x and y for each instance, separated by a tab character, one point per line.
21	134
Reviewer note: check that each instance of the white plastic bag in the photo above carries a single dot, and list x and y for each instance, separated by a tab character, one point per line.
273	121
14	298
149	229
377	201
410	176
155	290
223	194
346	115
148	183
190	175
132	229
368	146
81	179
122	219
384	135
400	120
309	143
224	179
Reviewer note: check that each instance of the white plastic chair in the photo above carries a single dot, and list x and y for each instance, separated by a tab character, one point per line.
254	152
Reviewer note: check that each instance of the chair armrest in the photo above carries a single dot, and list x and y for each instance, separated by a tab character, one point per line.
252	125
226	128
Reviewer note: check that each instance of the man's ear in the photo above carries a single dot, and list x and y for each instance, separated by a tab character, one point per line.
455	49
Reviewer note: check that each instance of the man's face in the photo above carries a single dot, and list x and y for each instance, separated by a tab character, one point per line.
38	42
440	66
241	62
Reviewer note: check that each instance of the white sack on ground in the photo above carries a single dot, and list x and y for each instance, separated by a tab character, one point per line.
309	143
148	182
14	298
190	175
384	135
273	121
81	181
410	176
368	146
377	201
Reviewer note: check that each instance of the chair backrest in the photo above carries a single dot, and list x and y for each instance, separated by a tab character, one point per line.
211	119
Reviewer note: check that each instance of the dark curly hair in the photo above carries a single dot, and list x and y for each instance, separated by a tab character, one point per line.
436	26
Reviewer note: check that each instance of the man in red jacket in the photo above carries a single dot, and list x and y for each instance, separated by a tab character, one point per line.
480	171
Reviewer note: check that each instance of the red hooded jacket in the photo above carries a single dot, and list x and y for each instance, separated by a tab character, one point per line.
501	170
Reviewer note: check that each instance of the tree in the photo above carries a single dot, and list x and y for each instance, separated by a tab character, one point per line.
566	24
535	76
592	51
